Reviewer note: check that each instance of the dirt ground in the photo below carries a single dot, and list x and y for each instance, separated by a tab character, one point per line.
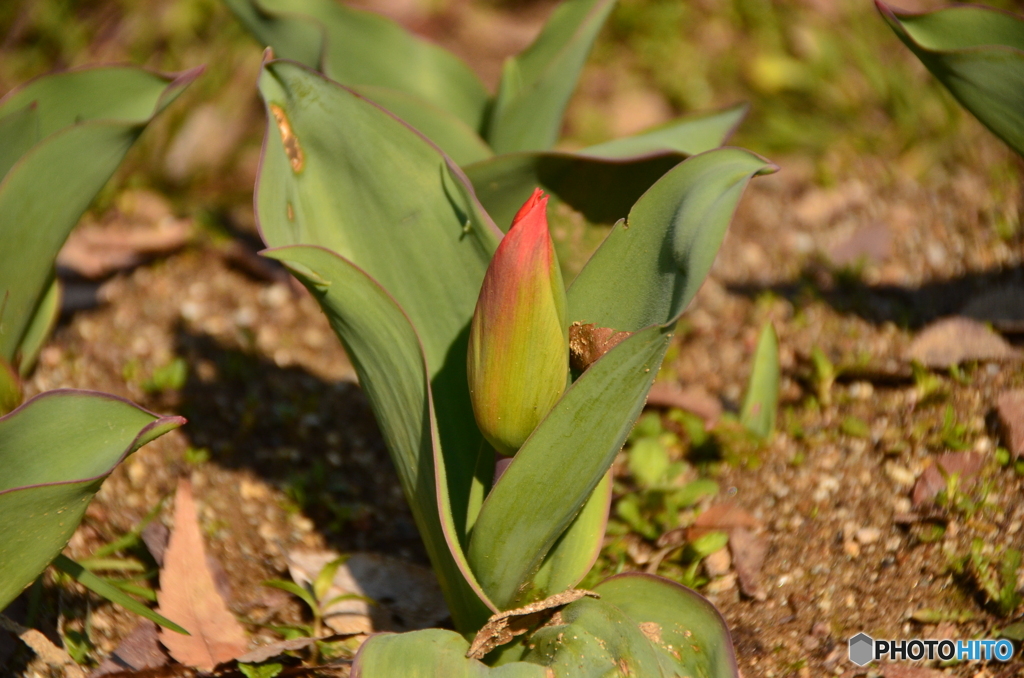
851	252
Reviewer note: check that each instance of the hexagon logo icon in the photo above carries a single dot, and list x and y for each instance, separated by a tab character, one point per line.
862	649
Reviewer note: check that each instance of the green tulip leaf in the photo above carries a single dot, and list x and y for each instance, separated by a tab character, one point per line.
55	450
392	369
431	653
576	551
10	388
641	625
761	403
342	173
463	145
604	181
689	135
978	54
44	319
115	595
640	280
86	120
650	266
524	515
355	47
536	84
19	130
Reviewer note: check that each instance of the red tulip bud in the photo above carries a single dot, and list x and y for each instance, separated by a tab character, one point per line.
518	341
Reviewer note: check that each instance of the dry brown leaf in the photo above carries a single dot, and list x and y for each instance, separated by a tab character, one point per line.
189	596
265	652
587	343
693	399
748	548
748	552
1010	407
96	250
407	596
501	628
139	650
952	341
725	517
931	482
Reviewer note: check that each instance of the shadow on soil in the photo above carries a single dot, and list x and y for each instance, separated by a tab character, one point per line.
907	307
314	439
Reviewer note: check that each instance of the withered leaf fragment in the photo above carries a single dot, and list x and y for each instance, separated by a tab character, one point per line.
587	343
504	626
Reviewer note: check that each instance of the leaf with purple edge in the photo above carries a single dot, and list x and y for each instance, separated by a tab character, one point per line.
56	450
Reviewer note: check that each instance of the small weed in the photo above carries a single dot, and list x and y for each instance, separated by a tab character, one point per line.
930	388
260	670
823	376
170	377
855	428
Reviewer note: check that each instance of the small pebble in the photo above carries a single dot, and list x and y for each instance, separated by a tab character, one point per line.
868	535
718	563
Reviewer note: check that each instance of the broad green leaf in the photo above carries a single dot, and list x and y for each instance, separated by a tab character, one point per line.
87	120
559	466
689	135
686	630
55	450
650	266
461	143
640	280
978	54
536	85
595	640
44	319
10	388
761	403
386	352
431	653
115	595
291	36
576	551
361	48
604	181
641	625
19	130
341	173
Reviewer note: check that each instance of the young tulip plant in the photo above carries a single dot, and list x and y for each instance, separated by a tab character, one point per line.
978	54
473	355
502	142
61	138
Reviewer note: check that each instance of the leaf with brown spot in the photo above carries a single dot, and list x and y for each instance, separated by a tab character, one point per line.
501	628
587	343
288	139
966	464
189	595
952	341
